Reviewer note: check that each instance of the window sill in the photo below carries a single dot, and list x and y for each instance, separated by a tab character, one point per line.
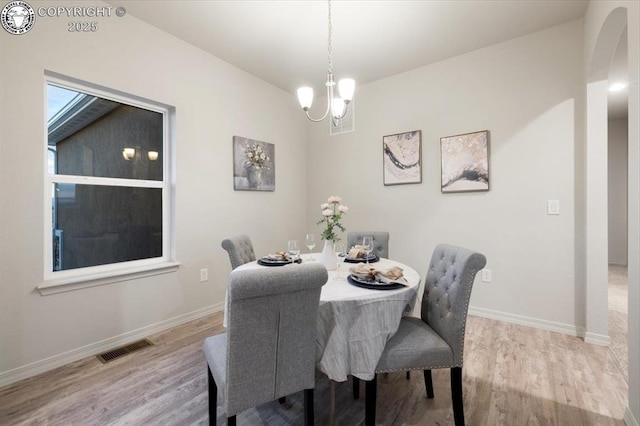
85	281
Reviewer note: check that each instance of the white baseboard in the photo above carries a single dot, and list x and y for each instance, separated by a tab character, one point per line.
526	321
30	370
618	262
571	330
597	339
629	419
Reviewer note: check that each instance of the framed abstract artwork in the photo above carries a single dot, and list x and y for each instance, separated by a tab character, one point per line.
465	162
402	158
254	165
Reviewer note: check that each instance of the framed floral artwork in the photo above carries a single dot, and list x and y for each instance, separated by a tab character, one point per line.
465	162
402	158
254	165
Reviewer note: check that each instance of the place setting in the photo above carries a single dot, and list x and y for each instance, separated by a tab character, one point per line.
362	252
365	276
282	258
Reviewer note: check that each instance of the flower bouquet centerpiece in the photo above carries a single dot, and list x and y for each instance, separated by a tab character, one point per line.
255	161
332	213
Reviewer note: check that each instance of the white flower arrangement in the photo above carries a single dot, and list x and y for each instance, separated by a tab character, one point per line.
332	212
255	156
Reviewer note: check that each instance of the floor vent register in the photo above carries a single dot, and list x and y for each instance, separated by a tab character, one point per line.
124	350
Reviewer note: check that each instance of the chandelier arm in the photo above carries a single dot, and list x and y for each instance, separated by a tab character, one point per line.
316	120
329	97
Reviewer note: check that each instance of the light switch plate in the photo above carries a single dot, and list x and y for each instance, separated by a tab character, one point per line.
204	275
553	207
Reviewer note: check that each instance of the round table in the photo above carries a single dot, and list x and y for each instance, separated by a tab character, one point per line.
355	323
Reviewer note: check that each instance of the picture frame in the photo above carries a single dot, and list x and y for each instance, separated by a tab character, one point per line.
464	162
254	165
402	158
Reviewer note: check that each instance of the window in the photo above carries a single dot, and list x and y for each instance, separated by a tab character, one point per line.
108	184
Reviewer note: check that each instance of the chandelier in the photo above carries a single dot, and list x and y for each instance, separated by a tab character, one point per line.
338	106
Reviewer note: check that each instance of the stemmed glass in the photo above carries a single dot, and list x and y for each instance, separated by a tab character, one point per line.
311	243
367	247
340	254
293	249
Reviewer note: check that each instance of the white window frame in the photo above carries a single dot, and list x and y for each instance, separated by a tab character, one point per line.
73	279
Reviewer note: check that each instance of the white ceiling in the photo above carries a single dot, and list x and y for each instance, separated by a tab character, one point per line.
285	42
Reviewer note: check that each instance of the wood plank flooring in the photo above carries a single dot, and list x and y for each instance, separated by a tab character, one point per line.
513	375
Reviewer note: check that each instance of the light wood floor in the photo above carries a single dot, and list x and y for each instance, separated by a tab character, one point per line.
513	376
618	290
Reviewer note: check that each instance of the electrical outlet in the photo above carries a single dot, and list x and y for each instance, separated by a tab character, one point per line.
204	275
553	207
486	275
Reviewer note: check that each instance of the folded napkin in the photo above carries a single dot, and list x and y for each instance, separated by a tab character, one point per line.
391	275
356	252
281	255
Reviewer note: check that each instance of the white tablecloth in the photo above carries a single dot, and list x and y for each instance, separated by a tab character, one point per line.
355	323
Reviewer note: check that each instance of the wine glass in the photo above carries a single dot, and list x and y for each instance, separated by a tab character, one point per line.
311	243
293	249
367	247
340	254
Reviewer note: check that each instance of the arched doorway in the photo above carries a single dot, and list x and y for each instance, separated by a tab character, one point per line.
596	236
604	23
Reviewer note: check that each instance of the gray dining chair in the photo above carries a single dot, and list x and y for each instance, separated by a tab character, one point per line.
240	250
380	241
269	348
436	339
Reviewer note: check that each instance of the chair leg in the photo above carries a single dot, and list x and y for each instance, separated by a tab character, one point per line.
356	387
231	421
428	383
332	402
308	407
408	375
456	396
371	390
213	398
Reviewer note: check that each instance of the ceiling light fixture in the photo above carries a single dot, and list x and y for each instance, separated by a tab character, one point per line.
616	87
338	106
128	153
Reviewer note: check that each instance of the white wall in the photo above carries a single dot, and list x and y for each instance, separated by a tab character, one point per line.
528	93
214	101
618	177
596	24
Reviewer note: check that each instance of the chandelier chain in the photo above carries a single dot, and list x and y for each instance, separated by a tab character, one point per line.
329	40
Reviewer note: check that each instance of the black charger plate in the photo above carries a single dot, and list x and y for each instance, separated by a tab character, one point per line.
373	258
265	261
372	285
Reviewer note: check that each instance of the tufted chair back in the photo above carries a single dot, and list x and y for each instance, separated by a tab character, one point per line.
447	291
240	250
380	241
269	349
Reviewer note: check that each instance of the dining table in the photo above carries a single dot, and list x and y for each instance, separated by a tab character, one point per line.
354	322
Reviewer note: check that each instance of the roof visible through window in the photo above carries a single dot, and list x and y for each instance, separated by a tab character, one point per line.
57	99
